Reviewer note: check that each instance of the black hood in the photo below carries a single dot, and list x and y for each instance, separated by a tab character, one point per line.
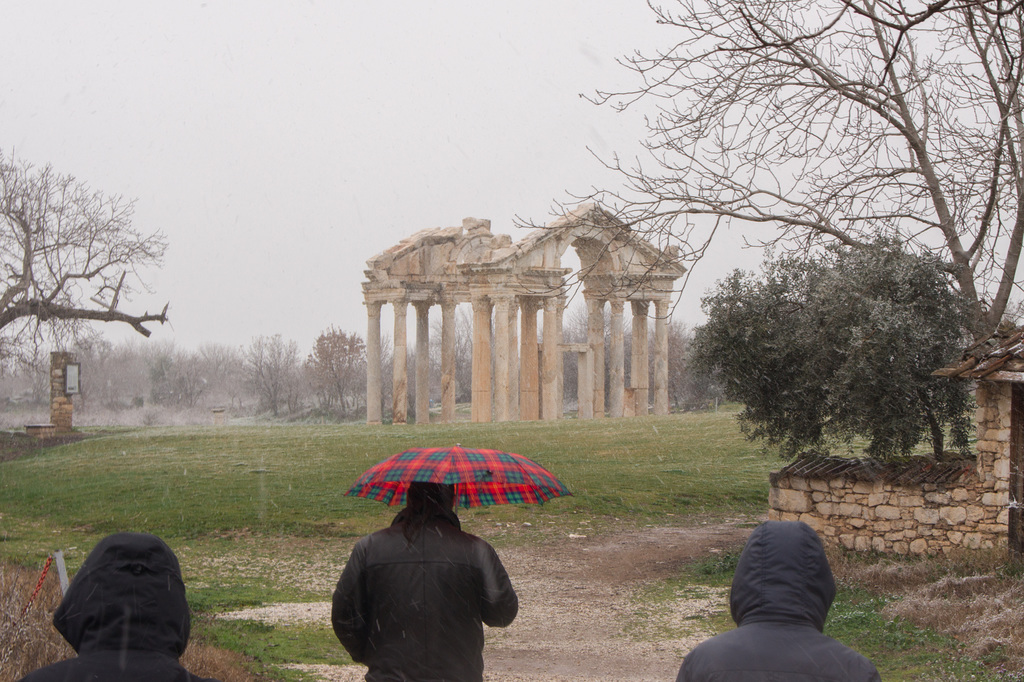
782	576
128	595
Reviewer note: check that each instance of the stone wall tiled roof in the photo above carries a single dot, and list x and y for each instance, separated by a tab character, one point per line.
913	471
997	357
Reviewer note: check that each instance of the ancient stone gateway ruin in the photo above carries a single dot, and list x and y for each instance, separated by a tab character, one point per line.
508	284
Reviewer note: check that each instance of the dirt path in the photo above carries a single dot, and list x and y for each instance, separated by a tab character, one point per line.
582	617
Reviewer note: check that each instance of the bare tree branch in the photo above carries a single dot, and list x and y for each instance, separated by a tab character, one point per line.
65	247
837	121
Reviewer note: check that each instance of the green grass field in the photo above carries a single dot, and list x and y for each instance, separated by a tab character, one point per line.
277	492
291	480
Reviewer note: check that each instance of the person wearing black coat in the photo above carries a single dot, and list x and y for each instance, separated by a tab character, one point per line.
125	615
781	593
412	599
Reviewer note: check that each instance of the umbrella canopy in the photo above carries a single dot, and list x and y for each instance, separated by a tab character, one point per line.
480	477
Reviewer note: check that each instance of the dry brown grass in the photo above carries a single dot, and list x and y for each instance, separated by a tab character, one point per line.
29	641
973	597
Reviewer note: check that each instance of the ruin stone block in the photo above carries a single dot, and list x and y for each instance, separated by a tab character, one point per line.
789	500
953	515
798	484
997	499
975	513
876	499
886	511
851	510
814	521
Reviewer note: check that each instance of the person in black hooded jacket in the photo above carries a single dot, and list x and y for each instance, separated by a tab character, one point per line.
125	615
781	593
412	599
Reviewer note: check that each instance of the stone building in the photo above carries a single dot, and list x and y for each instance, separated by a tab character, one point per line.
508	284
923	506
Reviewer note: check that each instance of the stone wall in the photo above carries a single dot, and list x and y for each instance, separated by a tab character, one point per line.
918	507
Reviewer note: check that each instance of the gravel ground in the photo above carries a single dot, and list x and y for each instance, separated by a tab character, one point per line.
583	616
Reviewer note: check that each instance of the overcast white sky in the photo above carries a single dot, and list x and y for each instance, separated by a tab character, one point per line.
279	145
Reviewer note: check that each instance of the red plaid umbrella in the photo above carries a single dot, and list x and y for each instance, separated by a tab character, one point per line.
480	477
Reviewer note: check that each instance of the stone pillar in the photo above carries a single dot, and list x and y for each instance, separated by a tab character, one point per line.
513	361
373	362
422	361
585	384
400	377
639	373
481	408
529	372
549	372
502	306
559	360
61	407
661	356
447	361
595	337
617	363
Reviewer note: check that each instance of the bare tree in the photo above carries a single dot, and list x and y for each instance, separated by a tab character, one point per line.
689	387
337	369
273	365
839	121
68	254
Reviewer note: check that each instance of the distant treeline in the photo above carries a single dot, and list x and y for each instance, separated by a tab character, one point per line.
272	377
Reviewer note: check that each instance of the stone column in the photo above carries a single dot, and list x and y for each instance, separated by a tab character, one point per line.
447	361
400	377
529	372
481	408
617	363
595	337
585	384
502	305
559	359
549	372
661	356
61	407
639	373
513	361
373	362
422	361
